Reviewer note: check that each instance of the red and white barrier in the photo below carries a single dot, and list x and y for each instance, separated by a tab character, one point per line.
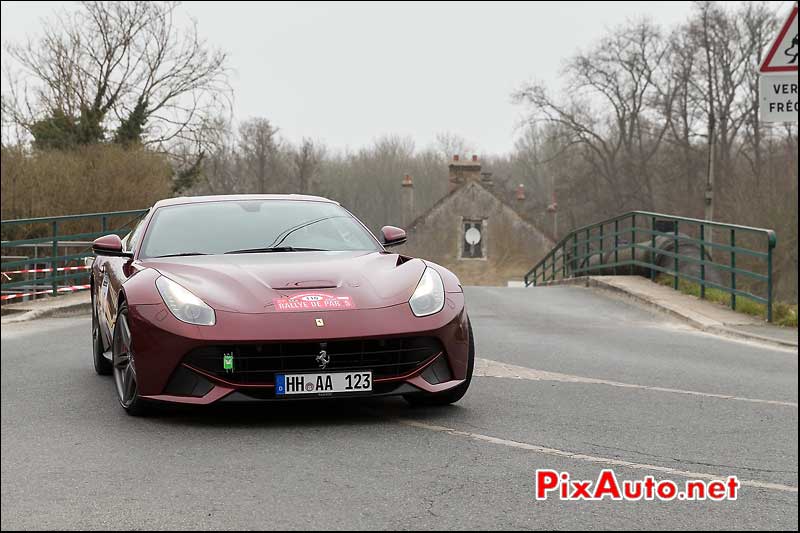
71	288
40	270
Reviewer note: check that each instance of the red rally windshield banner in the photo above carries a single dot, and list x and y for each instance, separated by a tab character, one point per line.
313	301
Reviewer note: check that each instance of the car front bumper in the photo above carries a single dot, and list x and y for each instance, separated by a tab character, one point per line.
161	344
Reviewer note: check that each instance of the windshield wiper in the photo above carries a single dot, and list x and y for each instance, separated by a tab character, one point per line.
183	254
285	235
274	249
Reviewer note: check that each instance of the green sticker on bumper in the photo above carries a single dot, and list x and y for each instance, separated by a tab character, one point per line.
227	362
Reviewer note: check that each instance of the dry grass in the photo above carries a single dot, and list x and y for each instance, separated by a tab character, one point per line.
87	180
90	179
783	314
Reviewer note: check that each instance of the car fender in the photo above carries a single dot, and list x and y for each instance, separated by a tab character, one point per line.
140	288
450	280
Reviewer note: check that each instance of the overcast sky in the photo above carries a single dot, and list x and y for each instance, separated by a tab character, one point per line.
346	73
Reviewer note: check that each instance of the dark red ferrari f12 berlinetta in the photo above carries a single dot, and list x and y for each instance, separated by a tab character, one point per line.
272	297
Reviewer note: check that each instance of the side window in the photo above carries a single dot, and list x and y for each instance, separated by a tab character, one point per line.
130	241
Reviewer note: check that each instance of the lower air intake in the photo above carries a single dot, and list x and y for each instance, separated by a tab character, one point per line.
257	364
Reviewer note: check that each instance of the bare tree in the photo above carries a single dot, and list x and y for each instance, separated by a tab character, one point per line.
723	64
260	153
126	67
759	25
684	120
644	113
625	74
306	160
449	144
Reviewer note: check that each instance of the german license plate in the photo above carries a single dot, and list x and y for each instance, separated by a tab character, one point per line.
326	383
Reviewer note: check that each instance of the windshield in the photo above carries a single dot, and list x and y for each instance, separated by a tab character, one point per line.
251	225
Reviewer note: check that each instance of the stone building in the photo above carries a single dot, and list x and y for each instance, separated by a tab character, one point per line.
472	231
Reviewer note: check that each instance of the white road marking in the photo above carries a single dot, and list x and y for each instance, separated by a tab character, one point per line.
496	369
590	458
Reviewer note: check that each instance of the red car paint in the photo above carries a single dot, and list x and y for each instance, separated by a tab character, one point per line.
243	291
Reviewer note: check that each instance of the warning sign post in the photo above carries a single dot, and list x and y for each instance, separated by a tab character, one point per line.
778	80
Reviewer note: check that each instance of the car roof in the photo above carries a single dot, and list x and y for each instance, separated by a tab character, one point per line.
180	200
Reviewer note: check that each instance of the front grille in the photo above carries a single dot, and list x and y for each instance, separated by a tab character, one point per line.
258	363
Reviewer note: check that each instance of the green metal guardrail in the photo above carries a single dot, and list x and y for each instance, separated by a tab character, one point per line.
610	247
56	232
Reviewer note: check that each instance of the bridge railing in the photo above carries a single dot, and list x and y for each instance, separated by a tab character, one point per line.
56	247
734	259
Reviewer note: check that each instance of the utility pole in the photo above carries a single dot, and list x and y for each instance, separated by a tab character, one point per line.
709	195
553	208
712	125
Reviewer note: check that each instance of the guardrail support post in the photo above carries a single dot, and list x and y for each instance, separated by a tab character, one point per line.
575	253
616	245
677	264
769	280
588	250
54	261
733	267
702	261
633	242
652	248
602	232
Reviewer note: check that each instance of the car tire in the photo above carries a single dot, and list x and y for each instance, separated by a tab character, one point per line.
101	364
124	367
452	395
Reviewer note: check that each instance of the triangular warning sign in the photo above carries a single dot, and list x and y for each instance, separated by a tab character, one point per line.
782	56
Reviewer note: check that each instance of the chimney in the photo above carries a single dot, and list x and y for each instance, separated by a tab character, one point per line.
520	192
462	172
407	207
486	180
553	207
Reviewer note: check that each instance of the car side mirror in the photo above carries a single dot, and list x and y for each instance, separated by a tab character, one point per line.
110	245
393	236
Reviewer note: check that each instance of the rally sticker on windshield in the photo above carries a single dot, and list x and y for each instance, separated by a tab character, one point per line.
313	301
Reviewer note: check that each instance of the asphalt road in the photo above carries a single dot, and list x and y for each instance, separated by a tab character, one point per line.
571	379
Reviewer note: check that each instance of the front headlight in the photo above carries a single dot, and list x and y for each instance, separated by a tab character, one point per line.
428	298
184	305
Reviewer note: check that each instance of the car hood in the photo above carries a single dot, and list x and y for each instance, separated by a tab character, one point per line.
258	283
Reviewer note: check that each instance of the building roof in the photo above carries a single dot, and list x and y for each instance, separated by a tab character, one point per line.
462	189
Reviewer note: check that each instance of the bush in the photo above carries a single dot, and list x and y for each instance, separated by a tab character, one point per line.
85	180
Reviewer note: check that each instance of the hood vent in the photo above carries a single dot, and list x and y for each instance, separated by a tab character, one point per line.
311	284
402	259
